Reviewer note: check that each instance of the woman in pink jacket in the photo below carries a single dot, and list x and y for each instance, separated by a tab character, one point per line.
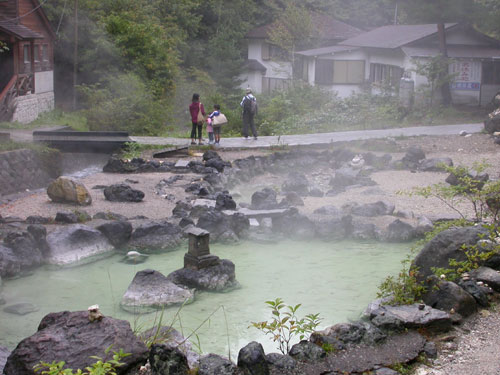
194	108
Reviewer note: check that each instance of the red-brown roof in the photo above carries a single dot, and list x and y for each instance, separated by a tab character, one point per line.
328	29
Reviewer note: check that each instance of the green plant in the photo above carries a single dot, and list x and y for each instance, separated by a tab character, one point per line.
404	289
100	367
286	325
483	196
475	256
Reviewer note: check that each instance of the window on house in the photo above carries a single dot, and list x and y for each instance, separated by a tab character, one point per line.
348	72
491	73
324	72
301	69
37	52
272	52
45	52
385	74
26	54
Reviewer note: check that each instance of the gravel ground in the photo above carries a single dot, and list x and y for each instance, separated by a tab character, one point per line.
475	350
472	349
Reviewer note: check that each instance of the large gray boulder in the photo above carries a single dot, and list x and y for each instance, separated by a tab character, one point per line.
122	193
399	231
397	318
445	246
332	227
373	209
449	297
71	337
252	359
4	354
296	182
25	251
264	199
152	236
167	361
9	263
218	277
212	364
150	291
77	244
118	232
488	276
349	334
169	337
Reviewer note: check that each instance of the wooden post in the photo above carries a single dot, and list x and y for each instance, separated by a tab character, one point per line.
445	88
32	67
75	54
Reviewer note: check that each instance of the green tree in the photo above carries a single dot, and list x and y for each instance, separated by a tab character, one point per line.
292	29
439	12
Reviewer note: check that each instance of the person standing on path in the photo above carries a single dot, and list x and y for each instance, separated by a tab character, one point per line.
197	118
249	105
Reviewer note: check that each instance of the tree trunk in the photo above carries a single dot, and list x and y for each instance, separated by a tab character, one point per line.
445	86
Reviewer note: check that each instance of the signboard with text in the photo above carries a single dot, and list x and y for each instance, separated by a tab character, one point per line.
467	75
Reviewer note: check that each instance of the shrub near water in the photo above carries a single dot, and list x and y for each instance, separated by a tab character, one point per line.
286	325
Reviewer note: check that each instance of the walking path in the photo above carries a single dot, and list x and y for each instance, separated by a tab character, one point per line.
322	138
25	135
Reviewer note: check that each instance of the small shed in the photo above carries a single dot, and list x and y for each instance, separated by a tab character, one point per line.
26	61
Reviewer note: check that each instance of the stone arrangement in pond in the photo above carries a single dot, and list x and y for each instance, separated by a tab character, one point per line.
384	336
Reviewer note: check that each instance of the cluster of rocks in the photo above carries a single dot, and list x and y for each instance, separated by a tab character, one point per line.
385	335
26	245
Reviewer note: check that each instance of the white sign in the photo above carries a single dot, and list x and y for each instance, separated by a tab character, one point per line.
467	75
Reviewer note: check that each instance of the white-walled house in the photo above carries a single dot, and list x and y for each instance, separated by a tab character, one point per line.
265	71
383	55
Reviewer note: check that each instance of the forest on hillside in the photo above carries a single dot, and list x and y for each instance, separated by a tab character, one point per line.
139	61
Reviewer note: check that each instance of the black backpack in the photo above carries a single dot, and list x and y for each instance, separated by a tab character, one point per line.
250	105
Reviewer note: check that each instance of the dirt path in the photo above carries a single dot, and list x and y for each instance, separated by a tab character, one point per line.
474	351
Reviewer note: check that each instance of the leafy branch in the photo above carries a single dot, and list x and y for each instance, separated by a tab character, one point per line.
285	325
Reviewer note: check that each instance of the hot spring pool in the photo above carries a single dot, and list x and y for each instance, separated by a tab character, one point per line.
336	279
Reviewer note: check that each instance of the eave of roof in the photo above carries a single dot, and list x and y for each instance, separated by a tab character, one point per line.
326	50
393	36
253	64
19	31
478	52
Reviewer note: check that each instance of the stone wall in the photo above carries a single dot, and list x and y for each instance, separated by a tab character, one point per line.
29	107
25	169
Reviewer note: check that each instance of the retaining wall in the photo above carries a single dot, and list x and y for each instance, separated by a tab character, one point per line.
29	107
26	169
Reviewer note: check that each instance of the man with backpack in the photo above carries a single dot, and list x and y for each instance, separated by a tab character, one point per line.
249	105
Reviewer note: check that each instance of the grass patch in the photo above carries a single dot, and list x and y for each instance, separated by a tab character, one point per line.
11	146
75	120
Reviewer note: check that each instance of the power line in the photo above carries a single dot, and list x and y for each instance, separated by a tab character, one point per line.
26	14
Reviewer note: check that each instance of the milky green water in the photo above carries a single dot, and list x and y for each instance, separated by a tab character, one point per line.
335	279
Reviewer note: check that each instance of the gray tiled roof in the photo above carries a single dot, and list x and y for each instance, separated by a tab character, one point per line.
19	31
393	36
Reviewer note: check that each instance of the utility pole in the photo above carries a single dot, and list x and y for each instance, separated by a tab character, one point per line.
75	54
396	14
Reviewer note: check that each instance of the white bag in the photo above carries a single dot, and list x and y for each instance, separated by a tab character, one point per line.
219	120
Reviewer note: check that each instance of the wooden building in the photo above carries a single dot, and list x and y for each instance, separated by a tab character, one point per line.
26	61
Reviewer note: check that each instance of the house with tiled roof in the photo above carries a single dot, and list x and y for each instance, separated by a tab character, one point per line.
383	56
266	70
26	61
